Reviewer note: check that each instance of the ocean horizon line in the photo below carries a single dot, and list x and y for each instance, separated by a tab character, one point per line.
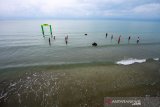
120	19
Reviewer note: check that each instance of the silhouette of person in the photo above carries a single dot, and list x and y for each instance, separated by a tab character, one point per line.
66	39
111	37
119	39
49	40
129	39
138	40
106	35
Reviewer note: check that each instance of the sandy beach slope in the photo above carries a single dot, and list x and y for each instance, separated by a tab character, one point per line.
77	85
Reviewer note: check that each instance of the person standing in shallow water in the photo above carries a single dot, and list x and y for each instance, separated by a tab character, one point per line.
49	40
66	39
106	35
129	39
138	40
119	39
111	37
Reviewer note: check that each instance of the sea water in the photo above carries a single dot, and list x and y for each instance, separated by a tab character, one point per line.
22	42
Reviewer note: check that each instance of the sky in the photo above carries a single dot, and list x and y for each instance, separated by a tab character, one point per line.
80	9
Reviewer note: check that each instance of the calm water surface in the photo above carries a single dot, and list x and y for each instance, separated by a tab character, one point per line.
22	43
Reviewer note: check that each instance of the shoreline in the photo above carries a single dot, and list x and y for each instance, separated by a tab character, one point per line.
125	61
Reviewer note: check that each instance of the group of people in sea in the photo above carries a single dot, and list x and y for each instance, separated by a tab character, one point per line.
54	37
119	39
94	43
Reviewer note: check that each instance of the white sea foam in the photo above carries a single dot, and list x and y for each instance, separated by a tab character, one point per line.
130	61
12	84
3	95
156	59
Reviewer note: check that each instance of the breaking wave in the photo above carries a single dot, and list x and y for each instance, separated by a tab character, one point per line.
130	61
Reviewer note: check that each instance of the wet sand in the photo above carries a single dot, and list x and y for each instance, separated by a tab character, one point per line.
77	85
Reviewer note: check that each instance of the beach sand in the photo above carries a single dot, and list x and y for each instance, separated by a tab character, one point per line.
77	85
